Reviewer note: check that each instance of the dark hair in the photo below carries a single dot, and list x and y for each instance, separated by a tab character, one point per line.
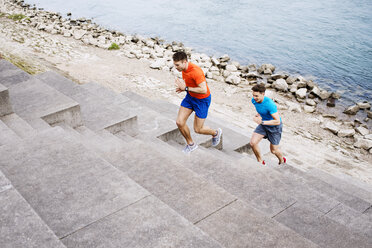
259	88
178	56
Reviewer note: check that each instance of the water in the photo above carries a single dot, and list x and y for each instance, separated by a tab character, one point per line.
327	41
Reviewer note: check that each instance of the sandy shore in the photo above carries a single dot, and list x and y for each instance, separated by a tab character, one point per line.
304	142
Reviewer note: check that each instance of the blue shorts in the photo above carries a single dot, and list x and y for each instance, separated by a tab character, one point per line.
200	106
272	133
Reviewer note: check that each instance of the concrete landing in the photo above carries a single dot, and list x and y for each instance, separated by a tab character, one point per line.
5	106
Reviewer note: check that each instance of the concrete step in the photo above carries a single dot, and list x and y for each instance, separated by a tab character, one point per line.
106	93
18	125
196	199
5	105
34	99
21	226
97	113
318	228
7	135
11	75
326	188
89	203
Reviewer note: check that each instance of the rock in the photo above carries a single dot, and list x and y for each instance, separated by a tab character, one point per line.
315	91
252	67
369	114
346	133
324	94
278	76
369	136
301	84
293	106
362	130
310	84
215	61
67	34
226	73
158	64
244	69
309	109
209	75
364	105
366	144
335	95
214	68
236	64
267	72
301	93
331	126
232	79
290	80
293	88
224	58
352	110
280	85
231	68
79	33
310	102
265	67
329	116
331	102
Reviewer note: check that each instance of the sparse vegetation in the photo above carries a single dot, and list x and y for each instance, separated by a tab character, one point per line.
114	46
17	17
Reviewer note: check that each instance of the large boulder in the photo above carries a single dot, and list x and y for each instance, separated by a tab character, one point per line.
352	110
301	93
280	85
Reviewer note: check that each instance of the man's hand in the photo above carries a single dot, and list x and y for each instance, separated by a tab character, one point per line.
180	85
257	118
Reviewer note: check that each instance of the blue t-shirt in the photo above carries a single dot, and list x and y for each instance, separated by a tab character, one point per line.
266	108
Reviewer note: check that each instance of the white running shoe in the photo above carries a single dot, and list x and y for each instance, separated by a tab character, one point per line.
190	148
216	139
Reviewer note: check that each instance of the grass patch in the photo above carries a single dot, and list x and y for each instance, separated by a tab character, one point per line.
22	64
114	46
17	17
2	14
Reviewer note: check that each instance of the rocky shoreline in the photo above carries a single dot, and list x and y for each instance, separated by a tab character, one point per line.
303	95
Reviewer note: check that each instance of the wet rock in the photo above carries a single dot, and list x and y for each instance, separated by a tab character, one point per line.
331	102
364	105
331	126
352	110
309	109
301	93
278	76
366	144
315	91
346	133
324	94
310	102
362	130
335	95
280	85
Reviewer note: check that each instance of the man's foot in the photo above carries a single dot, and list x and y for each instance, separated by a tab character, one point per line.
216	139
190	148
284	161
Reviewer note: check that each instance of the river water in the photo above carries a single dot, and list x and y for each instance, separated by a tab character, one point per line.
327	41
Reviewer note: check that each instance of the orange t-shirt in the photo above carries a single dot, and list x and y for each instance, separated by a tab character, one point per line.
193	76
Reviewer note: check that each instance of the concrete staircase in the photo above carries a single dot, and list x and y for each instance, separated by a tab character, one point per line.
82	166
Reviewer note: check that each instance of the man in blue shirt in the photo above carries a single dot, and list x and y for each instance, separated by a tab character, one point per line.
270	124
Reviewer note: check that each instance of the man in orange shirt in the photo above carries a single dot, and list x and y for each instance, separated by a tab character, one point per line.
198	99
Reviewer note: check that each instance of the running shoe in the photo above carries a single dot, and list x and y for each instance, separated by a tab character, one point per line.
216	139
190	148
284	161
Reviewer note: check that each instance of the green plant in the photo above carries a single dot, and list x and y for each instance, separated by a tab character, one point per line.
114	46
17	17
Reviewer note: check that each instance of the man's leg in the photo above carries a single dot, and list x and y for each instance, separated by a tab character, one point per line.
200	128
276	151
183	115
255	139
